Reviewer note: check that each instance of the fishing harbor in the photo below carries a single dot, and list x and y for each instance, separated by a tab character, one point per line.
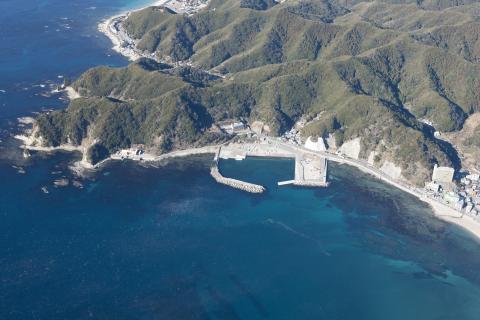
310	169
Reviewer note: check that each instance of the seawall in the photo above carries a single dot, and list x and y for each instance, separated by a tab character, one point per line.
234	183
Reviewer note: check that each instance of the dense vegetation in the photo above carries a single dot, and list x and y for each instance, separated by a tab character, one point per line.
474	140
373	71
257	4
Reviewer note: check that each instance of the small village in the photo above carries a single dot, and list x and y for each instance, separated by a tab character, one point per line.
185	6
459	191
463	195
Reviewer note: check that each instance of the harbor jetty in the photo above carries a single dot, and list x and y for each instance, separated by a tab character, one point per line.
310	171
310	168
234	183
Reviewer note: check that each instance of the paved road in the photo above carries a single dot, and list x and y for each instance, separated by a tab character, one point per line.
368	168
361	164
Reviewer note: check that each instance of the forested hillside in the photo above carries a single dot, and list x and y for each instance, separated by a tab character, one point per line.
376	70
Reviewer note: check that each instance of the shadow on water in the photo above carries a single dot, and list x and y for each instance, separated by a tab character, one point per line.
223	309
262	311
300	234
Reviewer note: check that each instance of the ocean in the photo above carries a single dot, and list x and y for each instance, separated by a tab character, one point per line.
165	241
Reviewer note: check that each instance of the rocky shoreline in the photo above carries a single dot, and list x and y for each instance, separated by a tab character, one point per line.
127	46
441	211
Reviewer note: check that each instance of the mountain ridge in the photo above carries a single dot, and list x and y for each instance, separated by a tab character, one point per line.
336	65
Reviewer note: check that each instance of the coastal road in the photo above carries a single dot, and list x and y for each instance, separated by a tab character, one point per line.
368	168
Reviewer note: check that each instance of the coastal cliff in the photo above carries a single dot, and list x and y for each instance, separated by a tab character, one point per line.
353	71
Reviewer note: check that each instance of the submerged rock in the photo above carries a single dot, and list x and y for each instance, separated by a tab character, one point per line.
63	182
77	184
26	153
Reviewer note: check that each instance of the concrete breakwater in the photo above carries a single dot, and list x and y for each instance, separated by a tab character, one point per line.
304	183
234	183
310	168
311	183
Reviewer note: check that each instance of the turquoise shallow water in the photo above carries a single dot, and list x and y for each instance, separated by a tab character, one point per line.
167	242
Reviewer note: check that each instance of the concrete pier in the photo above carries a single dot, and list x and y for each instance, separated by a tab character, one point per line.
284	183
310	171
217	155
234	183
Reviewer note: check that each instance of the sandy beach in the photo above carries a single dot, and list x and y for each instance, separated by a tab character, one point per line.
279	149
122	43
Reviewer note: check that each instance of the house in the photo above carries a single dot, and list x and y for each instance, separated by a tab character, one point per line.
232	127
473	177
451	197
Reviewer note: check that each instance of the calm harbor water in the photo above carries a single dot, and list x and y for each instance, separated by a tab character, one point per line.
167	242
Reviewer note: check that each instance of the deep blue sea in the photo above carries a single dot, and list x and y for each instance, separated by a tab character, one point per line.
165	241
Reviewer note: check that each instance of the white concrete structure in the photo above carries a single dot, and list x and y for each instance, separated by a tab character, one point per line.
469	208
473	177
371	157
351	148
234	183
390	169
331	143
310	171
233	127
432	186
459	205
318	145
442	174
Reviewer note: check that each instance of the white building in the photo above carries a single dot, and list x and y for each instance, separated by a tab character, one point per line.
469	208
459	204
233	127
451	197
473	177
443	174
